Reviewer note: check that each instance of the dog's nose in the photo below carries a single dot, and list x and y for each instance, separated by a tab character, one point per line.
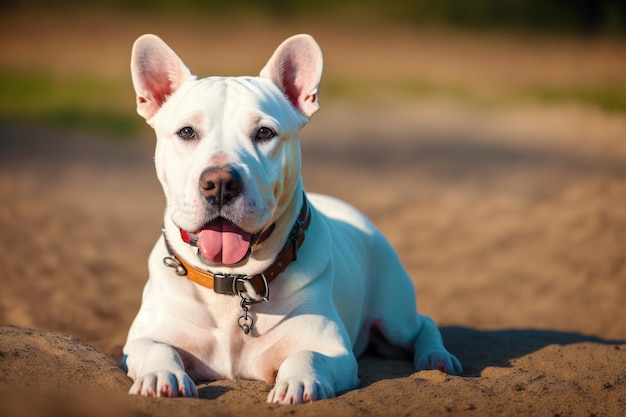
220	185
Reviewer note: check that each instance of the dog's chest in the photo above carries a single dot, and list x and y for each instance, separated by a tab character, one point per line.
215	346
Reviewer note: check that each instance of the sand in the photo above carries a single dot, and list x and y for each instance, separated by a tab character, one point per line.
511	221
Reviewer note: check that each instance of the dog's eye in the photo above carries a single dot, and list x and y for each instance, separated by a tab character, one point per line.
187	133
264	134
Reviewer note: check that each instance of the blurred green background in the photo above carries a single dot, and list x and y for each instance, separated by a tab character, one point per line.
582	16
65	63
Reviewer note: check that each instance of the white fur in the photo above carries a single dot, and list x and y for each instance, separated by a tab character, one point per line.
346	279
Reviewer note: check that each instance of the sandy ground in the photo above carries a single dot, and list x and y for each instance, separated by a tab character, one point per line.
511	221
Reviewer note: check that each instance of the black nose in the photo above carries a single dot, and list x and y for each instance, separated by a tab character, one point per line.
220	185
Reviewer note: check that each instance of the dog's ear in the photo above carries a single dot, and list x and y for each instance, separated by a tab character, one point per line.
296	68
157	72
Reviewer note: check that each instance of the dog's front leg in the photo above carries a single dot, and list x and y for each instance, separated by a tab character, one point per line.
157	370
307	376
430	352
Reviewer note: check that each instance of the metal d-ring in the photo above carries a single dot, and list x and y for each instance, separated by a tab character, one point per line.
265	295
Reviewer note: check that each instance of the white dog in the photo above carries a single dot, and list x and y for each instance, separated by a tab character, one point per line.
252	277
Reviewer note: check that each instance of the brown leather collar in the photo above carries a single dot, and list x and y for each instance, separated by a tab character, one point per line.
233	284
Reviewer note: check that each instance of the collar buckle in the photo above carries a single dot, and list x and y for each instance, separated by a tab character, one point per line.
226	283
233	284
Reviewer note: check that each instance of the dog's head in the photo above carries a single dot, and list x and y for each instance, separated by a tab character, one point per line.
228	152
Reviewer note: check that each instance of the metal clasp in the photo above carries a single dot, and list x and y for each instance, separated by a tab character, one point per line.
224	283
172	262
246	322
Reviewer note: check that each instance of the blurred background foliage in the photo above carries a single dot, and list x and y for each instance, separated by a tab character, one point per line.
100	103
579	16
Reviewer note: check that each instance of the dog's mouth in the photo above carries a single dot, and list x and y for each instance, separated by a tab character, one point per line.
220	242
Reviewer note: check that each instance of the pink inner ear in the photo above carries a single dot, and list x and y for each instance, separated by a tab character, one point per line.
298	81
290	84
157	72
159	87
296	68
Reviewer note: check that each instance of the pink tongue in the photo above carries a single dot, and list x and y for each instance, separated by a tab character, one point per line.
222	242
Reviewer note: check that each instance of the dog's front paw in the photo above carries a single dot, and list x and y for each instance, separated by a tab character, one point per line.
297	391
164	384
441	360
